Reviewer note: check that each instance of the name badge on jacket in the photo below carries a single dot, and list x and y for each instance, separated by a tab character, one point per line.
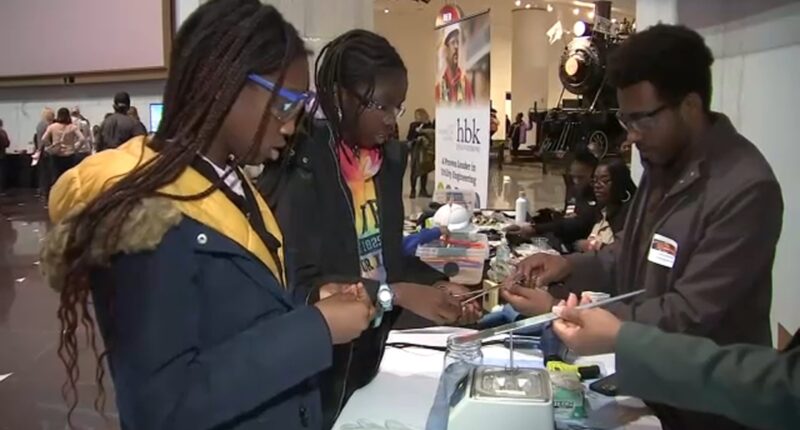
663	251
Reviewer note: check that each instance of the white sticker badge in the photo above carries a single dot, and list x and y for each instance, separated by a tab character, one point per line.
663	251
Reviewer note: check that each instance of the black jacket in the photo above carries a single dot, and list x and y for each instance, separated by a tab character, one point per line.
118	129
568	230
616	217
313	204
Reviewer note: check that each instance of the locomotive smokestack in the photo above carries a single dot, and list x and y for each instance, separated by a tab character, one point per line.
602	8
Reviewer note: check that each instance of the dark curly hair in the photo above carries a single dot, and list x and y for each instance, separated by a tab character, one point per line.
674	58
352	62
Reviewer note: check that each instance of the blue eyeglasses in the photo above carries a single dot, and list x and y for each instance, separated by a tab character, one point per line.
290	104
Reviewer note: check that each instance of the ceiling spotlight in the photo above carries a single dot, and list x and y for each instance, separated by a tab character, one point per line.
549	7
576	11
579	29
590	14
518	3
386	11
527	6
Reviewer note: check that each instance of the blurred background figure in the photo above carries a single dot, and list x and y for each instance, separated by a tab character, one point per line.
613	190
4	144
61	141
119	127
43	160
422	139
519	133
86	146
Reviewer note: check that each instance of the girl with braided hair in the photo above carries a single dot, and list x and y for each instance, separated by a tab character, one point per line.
181	259
339	200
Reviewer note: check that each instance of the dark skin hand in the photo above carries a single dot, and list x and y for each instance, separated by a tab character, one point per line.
528	301
525	231
347	313
437	303
542	269
471	311
526	290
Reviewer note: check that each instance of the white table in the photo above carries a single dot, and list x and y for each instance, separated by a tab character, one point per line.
401	396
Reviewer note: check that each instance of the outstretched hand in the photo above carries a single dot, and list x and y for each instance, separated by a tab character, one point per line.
586	331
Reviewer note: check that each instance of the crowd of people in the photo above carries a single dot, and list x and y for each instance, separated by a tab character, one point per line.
64	137
225	303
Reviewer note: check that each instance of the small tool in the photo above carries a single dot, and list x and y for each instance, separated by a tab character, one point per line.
492	286
535	321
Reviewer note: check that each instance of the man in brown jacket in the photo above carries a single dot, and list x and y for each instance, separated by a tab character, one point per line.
701	232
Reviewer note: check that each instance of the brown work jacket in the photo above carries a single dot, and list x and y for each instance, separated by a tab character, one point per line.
706	263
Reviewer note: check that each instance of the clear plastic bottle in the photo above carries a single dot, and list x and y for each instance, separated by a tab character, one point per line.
462	355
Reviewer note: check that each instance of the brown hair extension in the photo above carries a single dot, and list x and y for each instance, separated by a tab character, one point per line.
215	49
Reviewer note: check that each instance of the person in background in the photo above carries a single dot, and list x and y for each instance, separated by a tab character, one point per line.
61	141
339	201
580	209
43	164
756	386
519	133
5	142
134	113
95	134
86	146
181	259
494	123
692	244
421	120
422	142
613	189
119	128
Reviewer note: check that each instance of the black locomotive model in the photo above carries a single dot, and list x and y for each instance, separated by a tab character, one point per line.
589	121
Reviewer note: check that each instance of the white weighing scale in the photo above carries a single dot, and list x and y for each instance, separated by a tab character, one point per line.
492	397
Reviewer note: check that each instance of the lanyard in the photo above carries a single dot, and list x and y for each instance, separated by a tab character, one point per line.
247	205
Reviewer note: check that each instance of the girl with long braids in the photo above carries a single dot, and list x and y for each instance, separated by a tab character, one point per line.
339	199
182	259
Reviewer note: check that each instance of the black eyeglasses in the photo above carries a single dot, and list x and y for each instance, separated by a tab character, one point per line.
290	103
391	113
639	121
601	181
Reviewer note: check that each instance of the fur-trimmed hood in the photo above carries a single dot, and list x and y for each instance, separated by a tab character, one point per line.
142	230
145	226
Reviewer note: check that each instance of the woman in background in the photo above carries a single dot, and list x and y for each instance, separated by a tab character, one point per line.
421	120
61	140
181	258
422	140
613	190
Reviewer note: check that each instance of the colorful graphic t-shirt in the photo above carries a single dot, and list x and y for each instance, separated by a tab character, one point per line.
359	170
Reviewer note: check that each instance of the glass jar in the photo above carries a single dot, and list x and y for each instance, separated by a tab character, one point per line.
462	354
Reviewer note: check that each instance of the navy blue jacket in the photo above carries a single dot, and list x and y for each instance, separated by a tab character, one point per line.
205	337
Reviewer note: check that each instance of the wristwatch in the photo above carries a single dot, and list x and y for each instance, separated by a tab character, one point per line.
385	297
385	300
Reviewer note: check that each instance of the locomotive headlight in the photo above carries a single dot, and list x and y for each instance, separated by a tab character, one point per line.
580	29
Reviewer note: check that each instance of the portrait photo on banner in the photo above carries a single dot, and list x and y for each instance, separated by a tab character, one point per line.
463	66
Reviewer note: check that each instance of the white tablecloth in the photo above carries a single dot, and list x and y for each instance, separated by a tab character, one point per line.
401	396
